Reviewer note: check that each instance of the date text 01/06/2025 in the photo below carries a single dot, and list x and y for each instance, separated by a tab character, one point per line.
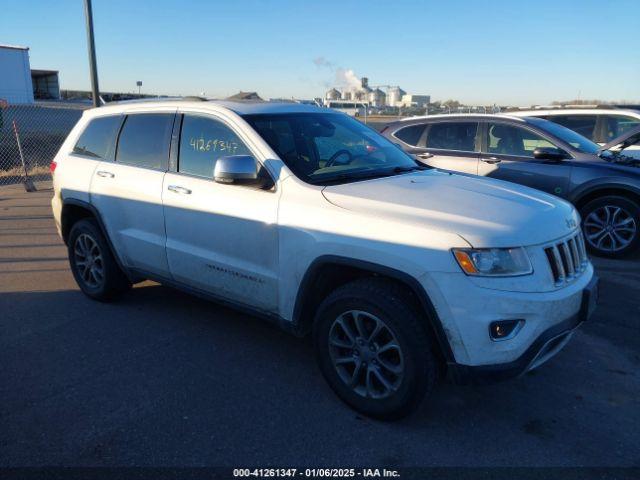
316	472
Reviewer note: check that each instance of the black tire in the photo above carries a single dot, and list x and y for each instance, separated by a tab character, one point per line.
628	211
390	304
112	281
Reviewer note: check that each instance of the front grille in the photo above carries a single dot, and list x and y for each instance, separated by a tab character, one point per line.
567	258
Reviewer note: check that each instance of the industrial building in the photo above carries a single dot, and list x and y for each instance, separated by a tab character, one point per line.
419	101
18	83
376	97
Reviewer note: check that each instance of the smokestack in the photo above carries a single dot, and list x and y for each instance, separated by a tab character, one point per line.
364	82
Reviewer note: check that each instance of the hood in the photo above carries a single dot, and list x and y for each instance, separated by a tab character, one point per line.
611	164
625	140
485	212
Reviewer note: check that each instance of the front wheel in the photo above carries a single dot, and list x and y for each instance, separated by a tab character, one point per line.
373	350
611	226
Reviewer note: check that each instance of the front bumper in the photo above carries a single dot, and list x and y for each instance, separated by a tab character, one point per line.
545	346
465	311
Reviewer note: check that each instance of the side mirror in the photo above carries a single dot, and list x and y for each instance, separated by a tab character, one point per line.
550	153
236	169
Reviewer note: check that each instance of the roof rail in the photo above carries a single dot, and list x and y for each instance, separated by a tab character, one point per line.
159	99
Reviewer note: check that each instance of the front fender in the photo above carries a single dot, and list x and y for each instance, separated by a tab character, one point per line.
606	183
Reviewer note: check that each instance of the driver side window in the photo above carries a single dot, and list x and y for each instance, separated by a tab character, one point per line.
509	140
203	141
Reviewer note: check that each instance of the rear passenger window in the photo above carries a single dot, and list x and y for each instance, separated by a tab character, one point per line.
460	136
202	142
585	125
410	135
144	140
98	137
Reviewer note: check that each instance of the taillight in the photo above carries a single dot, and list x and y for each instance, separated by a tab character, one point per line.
52	166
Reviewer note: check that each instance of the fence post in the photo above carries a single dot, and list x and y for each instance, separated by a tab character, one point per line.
28	183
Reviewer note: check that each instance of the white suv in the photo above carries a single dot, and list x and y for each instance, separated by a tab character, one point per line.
311	219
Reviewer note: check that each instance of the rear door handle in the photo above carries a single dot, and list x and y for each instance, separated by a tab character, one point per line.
105	174
491	160
179	189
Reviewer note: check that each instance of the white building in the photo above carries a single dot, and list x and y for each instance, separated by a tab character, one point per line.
15	74
409	100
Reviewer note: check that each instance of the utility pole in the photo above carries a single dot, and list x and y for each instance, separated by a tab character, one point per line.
88	14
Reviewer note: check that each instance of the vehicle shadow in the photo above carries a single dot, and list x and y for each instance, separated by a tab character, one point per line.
161	371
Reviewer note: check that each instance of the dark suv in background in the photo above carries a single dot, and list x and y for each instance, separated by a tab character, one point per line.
602	182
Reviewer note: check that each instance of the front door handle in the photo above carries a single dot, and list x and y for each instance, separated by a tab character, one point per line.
105	174
491	160
424	156
179	189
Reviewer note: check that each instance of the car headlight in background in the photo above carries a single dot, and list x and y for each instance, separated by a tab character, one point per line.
493	261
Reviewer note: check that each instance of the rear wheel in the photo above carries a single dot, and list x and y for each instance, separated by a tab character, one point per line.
93	266
611	226
373	350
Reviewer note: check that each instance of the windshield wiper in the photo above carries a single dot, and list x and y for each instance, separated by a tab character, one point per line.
368	174
619	158
606	155
411	168
356	176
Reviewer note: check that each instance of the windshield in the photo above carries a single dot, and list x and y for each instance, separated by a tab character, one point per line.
323	148
577	141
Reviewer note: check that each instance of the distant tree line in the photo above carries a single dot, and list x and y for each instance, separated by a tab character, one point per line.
591	102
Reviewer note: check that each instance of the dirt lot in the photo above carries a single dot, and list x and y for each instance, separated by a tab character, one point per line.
161	378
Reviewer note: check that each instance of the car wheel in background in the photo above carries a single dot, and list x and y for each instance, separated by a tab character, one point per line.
93	266
373	350
611	226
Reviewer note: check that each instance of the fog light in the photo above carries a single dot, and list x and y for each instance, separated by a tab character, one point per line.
505	329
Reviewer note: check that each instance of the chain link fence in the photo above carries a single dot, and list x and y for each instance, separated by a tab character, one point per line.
30	136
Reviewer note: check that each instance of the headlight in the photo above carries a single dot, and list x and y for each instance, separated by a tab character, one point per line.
493	262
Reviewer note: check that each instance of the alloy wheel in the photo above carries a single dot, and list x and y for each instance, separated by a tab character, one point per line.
366	354
610	228
88	260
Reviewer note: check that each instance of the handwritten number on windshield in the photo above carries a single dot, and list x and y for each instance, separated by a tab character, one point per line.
215	145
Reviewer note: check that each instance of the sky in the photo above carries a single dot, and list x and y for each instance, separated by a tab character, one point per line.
509	52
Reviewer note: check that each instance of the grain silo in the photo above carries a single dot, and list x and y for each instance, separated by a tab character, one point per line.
394	96
377	98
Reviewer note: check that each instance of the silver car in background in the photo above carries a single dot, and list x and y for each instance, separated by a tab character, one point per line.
601	181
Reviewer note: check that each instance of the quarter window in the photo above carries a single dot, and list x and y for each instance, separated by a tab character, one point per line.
202	142
144	140
453	136
98	137
410	135
509	140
